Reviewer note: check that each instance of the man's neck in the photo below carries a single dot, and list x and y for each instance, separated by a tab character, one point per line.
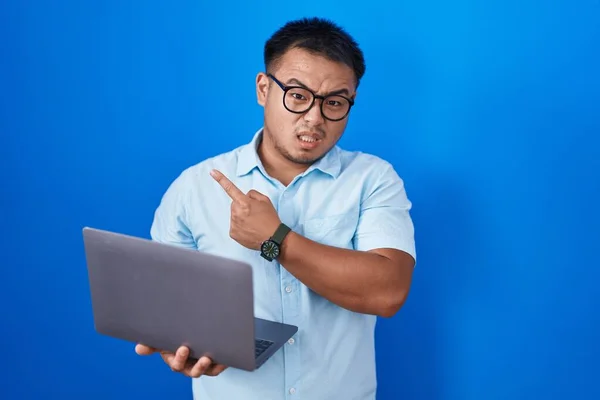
278	166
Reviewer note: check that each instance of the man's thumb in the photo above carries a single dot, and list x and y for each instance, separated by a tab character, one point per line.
253	194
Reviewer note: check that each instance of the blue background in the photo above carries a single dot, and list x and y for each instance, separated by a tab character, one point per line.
488	110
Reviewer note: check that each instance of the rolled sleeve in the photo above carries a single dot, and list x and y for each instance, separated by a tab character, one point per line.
170	218
385	220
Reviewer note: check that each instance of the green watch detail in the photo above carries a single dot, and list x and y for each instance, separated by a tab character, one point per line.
271	248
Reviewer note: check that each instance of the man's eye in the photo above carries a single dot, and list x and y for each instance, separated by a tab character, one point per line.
298	96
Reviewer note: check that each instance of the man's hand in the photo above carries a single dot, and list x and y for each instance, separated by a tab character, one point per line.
179	361
253	217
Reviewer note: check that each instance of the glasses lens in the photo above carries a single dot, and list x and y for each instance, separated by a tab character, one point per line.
335	107
298	99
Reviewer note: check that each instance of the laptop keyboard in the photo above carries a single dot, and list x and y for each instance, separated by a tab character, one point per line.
260	346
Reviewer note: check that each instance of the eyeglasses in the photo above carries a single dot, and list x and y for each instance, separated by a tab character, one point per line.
298	99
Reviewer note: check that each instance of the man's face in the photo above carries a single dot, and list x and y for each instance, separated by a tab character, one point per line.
303	138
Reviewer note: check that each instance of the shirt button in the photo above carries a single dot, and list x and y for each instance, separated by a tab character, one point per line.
288	289
292	391
291	341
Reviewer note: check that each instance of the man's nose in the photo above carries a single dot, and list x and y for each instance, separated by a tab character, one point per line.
314	114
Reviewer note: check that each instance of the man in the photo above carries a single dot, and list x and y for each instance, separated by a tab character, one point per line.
347	252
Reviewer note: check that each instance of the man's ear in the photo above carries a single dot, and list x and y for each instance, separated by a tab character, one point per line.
262	88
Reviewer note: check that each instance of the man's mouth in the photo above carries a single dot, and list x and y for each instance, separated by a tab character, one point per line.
308	138
309	141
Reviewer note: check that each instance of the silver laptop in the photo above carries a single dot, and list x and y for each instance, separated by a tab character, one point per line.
165	296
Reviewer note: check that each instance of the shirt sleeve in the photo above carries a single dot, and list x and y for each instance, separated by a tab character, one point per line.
170	218
384	219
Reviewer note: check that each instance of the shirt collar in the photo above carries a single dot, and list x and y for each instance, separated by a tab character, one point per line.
248	156
248	159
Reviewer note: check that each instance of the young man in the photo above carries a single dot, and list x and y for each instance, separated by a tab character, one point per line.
344	249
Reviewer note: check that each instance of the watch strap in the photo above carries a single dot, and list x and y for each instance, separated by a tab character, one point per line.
280	233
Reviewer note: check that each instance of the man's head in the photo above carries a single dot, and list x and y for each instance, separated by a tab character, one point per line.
305	58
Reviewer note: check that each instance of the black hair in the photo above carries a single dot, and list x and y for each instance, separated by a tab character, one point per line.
319	36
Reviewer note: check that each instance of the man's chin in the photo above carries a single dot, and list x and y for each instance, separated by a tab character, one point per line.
304	159
302	156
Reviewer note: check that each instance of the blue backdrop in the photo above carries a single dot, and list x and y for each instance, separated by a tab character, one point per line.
488	110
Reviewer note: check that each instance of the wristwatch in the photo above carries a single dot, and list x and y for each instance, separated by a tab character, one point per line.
271	248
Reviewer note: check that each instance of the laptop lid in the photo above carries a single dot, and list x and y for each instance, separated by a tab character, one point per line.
166	296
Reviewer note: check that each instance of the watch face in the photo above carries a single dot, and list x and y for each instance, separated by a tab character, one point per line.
270	249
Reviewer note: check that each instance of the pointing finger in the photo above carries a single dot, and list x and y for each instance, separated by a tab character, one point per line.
227	185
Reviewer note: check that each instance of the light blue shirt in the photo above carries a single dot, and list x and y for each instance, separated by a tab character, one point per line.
347	199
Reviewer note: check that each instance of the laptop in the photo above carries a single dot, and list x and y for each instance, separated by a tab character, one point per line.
166	296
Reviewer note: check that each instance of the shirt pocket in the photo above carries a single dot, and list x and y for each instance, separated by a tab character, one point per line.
333	230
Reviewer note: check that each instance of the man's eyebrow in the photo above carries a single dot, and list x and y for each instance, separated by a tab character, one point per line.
297	82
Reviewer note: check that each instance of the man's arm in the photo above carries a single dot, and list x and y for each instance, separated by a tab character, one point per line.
371	282
170	218
373	278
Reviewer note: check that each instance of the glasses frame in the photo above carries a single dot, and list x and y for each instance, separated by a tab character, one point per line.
286	89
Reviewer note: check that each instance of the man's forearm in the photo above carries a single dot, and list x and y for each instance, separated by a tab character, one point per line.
359	281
